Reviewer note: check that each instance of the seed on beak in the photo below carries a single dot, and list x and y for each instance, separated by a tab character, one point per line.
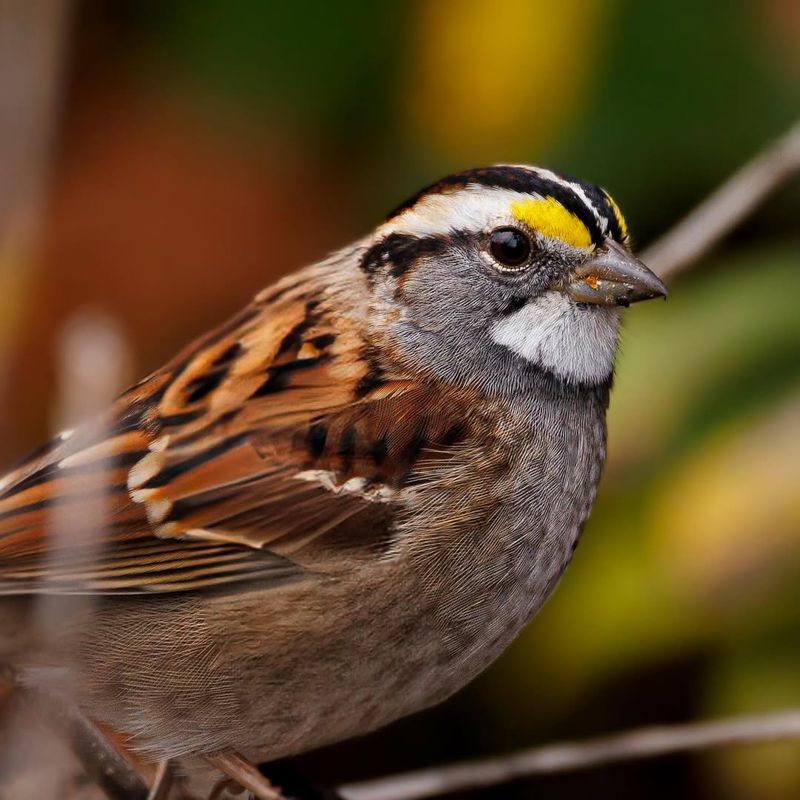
613	276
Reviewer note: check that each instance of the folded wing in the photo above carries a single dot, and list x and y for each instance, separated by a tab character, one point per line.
274	449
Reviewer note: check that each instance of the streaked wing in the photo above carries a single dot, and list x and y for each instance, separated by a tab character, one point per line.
266	451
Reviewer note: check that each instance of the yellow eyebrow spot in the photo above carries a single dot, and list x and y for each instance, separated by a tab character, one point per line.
623	226
548	217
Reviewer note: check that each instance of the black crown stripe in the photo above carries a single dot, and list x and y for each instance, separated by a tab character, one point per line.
527	181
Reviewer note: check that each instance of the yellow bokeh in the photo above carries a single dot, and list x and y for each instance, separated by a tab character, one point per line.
730	513
16	271
496	80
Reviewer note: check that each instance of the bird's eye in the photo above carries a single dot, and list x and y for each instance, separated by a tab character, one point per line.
509	247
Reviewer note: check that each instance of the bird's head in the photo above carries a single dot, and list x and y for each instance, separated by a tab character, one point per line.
507	265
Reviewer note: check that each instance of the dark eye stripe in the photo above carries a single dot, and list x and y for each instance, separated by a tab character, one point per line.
399	251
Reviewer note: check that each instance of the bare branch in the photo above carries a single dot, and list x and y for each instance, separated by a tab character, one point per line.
567	756
726	207
102	763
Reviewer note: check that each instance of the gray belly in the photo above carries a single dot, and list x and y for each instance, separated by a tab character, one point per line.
273	674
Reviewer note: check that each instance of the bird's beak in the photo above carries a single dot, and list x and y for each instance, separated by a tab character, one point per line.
613	277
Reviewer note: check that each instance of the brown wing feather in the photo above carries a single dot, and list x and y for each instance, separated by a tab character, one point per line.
266	437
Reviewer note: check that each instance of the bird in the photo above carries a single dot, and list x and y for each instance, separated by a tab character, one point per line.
342	504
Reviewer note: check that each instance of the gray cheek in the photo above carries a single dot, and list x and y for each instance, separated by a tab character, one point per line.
452	294
465	288
444	321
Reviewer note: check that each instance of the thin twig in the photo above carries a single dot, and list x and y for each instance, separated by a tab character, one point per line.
102	763
162	783
567	756
245	773
689	240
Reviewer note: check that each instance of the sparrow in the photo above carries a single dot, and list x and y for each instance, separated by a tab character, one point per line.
342	504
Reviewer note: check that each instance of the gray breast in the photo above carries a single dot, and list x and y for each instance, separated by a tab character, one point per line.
518	513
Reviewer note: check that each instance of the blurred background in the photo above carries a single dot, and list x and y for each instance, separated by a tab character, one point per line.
160	162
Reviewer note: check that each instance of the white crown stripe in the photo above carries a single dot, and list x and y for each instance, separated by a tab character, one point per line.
472	209
602	220
475	206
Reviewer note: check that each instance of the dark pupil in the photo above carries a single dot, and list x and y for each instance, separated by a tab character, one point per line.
510	247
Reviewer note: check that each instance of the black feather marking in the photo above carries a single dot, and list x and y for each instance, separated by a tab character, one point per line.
181	418
372	380
317	436
415	445
53	471
276	381
170	473
454	433
374	376
230	354
132	420
379	450
48	502
34	479
599	199
218	422
240	319
294	338
323	340
401	250
279	376
346	447
200	387
513	305
604	206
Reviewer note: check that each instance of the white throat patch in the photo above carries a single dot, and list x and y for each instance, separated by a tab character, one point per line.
575	343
